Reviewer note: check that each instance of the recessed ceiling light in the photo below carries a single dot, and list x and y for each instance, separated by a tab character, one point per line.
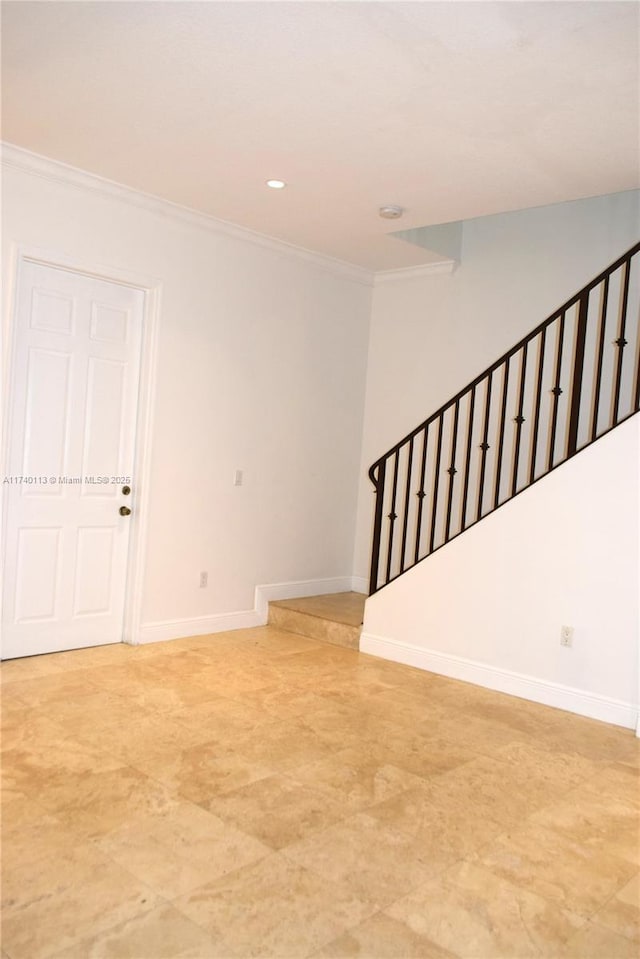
390	212
276	184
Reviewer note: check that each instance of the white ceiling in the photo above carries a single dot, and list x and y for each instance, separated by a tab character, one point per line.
452	110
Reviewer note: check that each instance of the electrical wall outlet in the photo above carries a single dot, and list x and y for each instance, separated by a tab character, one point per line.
204	579
238	478
566	635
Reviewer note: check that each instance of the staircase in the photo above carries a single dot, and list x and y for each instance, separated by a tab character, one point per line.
563	386
570	381
336	618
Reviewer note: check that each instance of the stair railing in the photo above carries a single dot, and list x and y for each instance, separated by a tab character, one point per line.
564	385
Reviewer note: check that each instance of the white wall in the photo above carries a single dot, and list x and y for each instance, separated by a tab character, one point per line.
261	366
488	607
432	335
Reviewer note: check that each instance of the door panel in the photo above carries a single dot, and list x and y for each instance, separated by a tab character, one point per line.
37	573
47	413
94	571
75	385
103	422
51	312
108	324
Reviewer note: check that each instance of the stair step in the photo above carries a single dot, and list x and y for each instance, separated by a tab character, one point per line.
335	618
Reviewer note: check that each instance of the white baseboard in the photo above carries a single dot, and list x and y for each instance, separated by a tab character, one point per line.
296	589
246	619
197	626
515	684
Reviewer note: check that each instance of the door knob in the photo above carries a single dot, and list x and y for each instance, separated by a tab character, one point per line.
124	511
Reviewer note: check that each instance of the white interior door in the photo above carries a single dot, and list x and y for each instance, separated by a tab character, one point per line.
74	390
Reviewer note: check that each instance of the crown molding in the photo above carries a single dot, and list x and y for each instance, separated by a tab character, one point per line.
383	277
18	158
26	161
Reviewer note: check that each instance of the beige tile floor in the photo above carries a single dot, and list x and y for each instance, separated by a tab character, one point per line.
259	794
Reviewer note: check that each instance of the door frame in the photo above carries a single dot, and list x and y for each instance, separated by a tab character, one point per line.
151	287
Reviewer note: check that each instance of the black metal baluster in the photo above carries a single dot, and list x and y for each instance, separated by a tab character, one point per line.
503	417
557	391
436	484
484	446
392	515
598	384
378	483
467	463
519	420
536	415
407	493
621	342
421	492
578	368
452	469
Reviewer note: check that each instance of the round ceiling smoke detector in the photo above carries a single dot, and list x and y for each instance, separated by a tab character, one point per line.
390	212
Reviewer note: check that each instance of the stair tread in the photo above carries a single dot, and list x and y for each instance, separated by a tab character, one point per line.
345	608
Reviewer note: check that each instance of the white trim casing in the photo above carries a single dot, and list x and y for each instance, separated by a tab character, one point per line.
504	681
142	467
